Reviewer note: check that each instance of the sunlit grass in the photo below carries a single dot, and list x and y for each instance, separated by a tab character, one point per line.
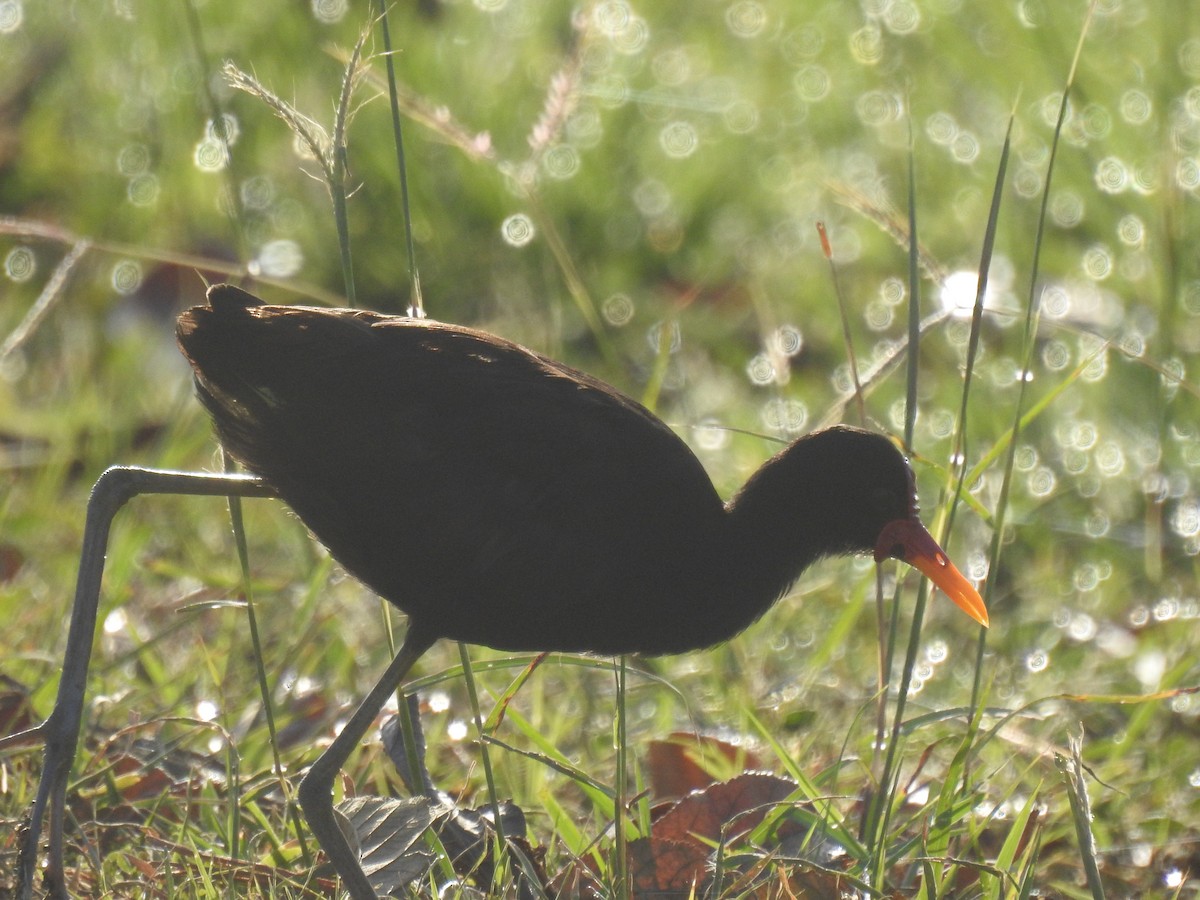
701	148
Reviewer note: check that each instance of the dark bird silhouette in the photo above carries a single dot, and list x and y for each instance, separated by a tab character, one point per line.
501	498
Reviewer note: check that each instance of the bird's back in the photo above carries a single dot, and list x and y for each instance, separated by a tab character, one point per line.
496	496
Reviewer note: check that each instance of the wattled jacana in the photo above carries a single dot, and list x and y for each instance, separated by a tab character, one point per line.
501	498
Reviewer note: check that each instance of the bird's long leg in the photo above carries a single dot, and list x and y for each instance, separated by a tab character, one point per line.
316	788
60	731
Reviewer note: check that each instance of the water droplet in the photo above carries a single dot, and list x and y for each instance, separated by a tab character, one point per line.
671	67
116	621
892	291
456	730
617	309
278	259
12	15
1056	355
678	139
257	192
561	162
20	264
1095	120
674	337
211	155
207	710
126	276
1187	173
329	12
901	17
1066	209
965	148
652	198
1136	107
803	44
133	159
1112	175
224	129
878	107
1097	262
1027	181
1037	660
937	652
517	230
941	128
1189	57
740	117
879	316
1185	518
1081	628
1041	482
866	45
761	370
143	190
710	435
812	83
746	19
1149	667
786	339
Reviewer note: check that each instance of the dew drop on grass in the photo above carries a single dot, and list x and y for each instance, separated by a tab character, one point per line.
760	370
1041	482
617	309
278	259
877	107
941	128
126	276
812	83
786	340
902	17
439	702
12	15
740	117
456	730
679	139
330	12
1187	173
784	415
1112	175
965	148
211	155
866	45
561	162
746	19
1066	209
1037	660
709	435
20	264
207	710
1136	107
892	291
1082	628
133	159
116	621
143	190
517	230
1149	668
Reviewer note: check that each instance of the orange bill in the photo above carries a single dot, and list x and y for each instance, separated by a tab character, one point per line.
907	539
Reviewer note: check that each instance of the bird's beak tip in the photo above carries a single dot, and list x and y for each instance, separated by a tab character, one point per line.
909	541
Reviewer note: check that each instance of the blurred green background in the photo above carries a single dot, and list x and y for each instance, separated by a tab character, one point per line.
583	177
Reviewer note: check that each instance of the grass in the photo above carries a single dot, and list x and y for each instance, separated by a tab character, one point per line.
675	276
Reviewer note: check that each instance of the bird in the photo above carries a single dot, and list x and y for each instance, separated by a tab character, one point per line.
499	497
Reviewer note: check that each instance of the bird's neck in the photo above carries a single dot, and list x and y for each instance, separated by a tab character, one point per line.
772	535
